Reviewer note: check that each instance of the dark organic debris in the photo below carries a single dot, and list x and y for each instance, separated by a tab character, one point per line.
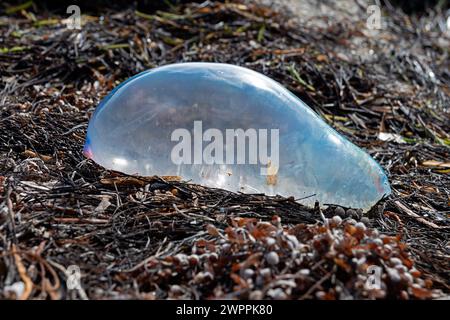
135	237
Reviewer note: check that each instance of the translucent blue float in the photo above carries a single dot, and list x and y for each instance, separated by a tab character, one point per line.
230	127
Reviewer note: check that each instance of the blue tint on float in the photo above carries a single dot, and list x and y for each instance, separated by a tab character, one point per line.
131	131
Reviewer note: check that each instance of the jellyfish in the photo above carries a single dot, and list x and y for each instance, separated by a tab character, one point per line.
229	127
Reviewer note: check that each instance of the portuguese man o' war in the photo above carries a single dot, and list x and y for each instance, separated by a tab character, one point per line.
229	127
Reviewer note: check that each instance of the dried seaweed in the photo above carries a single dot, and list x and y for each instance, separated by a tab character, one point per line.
149	238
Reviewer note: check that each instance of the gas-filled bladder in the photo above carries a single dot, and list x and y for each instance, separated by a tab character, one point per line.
229	127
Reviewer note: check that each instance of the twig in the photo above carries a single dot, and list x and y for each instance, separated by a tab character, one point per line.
23	274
